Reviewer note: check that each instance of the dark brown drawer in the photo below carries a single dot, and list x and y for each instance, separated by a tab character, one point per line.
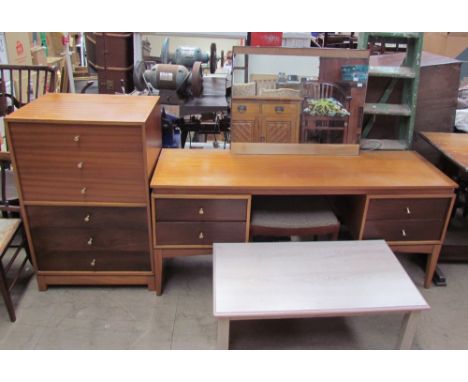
201	209
199	233
124	218
47	239
408	208
69	260
404	230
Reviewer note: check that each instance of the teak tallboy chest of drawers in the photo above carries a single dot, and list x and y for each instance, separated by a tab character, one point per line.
84	164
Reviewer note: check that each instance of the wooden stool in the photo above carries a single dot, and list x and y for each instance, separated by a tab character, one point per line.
293	216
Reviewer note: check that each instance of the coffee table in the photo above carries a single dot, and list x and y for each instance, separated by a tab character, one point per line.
311	279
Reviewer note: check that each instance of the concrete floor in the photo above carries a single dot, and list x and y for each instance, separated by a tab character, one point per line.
134	318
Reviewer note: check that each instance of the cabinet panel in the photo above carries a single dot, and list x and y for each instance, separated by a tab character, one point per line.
244	131
279	131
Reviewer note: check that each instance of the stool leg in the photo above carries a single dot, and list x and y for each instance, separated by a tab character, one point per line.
6	295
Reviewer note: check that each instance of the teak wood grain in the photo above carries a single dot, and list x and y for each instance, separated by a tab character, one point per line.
400	172
452	145
87	109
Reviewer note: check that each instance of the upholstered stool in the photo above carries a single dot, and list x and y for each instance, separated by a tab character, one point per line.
293	216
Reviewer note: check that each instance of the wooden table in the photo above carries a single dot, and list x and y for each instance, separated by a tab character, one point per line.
311	279
201	197
454	146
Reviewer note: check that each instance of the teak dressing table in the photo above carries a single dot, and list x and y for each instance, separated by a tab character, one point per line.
202	197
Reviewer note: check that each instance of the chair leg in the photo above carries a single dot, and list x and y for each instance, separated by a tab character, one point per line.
334	235
6	295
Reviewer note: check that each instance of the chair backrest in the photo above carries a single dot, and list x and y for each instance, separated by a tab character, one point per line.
318	90
23	83
6	181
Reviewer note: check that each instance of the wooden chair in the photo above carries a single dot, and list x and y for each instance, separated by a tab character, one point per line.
23	84
10	228
293	216
326	129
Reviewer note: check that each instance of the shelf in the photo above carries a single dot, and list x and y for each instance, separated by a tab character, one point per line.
392	71
387	109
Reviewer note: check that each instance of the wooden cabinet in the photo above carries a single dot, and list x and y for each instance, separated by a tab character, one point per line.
268	120
84	164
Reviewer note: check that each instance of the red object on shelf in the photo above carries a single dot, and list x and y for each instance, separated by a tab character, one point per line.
266	38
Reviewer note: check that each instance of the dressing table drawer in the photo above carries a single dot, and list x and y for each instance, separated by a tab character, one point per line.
404	230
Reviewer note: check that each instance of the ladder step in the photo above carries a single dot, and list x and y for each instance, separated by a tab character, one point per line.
395	34
387	109
392	71
383	144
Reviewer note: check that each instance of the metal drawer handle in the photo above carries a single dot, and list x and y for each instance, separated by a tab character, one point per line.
201	236
279	109
241	108
79	165
403	232
76	138
83	190
90	241
87	218
93	263
200	211
408	211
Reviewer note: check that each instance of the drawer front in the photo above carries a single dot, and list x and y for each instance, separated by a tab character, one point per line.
242	110
69	260
199	233
411	208
87	217
404	230
279	109
201	209
73	138
46	239
96	168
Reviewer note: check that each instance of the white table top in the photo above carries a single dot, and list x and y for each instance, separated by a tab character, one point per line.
310	279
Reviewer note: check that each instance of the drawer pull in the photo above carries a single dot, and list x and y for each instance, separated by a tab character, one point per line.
201	236
93	263
83	190
90	241
279	109
87	218
241	108
76	138
403	232
79	165
200	211
408	211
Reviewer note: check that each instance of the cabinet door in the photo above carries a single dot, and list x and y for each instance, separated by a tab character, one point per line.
244	131
276	130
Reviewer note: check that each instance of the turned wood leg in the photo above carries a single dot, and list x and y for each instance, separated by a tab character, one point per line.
431	265
158	272
223	334
408	330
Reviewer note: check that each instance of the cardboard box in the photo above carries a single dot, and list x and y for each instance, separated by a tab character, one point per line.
38	54
18	48
449	44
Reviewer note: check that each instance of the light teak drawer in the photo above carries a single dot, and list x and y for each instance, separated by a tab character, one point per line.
242	110
408	208
68	164
200	209
404	230
199	233
279	109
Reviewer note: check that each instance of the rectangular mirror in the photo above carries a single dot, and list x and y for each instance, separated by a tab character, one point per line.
286	97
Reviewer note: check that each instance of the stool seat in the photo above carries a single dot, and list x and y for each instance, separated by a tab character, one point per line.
292	216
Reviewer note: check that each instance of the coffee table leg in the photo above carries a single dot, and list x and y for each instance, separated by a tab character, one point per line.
408	330
223	334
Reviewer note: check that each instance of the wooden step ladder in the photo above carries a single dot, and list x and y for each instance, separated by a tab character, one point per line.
408	72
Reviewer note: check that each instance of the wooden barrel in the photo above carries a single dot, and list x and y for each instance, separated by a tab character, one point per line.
111	56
